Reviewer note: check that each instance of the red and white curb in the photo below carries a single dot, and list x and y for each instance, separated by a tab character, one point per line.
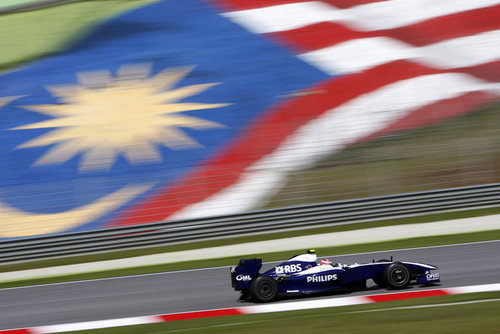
254	309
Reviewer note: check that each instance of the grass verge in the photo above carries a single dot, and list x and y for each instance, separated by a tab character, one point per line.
228	261
27	36
468	313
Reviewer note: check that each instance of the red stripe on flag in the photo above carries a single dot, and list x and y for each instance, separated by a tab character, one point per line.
325	34
406	295
487	71
264	136
318	36
445	27
200	314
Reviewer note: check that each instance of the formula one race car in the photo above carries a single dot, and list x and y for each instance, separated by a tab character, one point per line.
302	275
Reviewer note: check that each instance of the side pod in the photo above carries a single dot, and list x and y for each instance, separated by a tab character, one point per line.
244	272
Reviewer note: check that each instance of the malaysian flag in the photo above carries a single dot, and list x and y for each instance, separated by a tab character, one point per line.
184	109
402	64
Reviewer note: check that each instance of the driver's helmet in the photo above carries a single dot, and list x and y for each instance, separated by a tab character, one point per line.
325	261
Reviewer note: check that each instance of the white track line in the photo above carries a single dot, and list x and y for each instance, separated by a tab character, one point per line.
225	267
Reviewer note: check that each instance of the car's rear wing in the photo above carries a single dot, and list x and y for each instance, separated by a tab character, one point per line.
244	272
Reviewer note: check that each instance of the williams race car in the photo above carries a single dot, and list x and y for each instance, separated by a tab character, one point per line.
302	275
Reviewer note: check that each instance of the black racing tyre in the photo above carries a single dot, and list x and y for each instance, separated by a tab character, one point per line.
396	276
263	289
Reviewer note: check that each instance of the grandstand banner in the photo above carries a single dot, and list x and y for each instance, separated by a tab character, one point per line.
187	108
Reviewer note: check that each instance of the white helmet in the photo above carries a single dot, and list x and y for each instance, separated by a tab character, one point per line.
325	261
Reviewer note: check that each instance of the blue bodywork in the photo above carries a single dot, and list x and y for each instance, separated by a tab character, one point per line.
302	275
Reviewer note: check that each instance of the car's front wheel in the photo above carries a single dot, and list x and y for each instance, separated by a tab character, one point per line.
397	276
263	289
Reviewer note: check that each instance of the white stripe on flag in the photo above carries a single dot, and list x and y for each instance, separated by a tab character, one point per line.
360	54
374	16
398	13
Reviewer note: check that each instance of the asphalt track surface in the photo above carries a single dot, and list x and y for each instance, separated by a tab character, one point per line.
171	292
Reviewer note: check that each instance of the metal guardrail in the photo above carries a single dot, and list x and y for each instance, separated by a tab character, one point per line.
257	222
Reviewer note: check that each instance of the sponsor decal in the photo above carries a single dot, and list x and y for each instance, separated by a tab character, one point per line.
432	276
292	291
322	278
289	268
243	278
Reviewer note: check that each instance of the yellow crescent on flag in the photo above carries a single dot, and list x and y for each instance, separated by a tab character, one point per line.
17	223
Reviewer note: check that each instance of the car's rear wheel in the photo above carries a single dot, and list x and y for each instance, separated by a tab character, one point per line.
397	276
263	289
